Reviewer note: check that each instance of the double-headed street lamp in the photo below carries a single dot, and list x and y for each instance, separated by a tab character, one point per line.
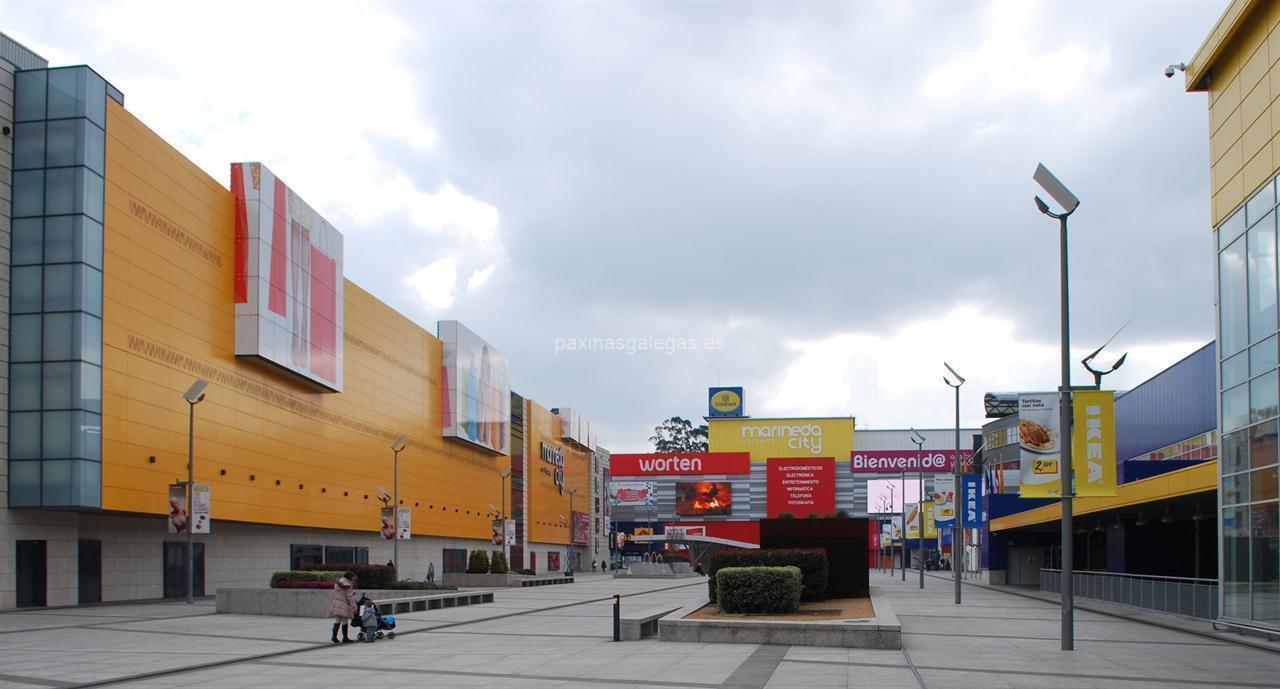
957	553
396	447
919	442
194	395
1069	203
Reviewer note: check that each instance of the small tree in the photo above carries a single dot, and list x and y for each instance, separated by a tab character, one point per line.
678	435
478	563
498	563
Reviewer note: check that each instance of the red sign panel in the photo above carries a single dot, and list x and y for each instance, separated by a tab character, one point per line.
581	528
801	486
896	461
680	464
742	532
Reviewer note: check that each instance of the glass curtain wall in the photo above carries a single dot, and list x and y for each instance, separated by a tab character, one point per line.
1250	401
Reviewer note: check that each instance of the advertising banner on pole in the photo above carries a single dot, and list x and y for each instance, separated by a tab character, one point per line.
177	508
1040	441
944	500
200	508
404	521
387	528
510	531
913	521
1093	442
971	495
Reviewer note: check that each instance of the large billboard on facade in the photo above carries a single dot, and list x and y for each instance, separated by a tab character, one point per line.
765	438
897	461
288	278
694	498
632	494
477	389
679	463
801	486
581	527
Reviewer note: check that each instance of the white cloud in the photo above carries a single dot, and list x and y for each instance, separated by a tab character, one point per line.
479	277
435	282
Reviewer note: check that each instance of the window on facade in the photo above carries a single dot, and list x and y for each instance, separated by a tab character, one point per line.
1262	278
303	556
1235	563
1233	301
1265	546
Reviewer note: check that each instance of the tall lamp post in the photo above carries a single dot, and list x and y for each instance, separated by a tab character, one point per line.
1069	203
396	447
919	442
194	395
902	521
504	472
572	491
957	552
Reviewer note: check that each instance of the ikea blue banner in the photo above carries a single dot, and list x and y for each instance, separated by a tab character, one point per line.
971	499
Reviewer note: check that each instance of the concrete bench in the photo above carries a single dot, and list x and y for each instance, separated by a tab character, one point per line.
545	581
434	601
642	624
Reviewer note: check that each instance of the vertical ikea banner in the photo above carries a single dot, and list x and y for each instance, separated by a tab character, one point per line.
1039	438
1093	442
971	494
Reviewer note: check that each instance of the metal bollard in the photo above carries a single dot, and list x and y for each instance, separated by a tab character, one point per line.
617	617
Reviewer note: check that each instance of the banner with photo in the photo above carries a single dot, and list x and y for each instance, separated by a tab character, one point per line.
387	527
200	504
631	493
914	518
1093	442
944	500
404	524
1040	445
178	515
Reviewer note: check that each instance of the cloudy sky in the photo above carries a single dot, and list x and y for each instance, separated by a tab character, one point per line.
818	201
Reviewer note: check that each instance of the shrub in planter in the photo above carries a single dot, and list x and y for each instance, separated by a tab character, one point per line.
367	576
280	577
759	589
408	585
304	585
498	563
478	563
812	563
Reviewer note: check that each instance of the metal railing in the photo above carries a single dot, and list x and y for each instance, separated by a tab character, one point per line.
1177	595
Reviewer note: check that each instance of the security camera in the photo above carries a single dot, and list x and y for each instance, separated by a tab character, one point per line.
1174	69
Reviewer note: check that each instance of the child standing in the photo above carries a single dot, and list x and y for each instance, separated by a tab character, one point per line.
369	620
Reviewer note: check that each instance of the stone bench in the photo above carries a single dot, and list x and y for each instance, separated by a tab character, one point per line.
545	581
433	601
641	624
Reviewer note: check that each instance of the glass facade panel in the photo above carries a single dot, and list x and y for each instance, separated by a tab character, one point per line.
24	484
58	385
28	145
24	338
1261	203
26	284
1233	299
91	340
28	193
29	90
1235	563
1262	278
1235	408
24	435
66	142
1262	444
62	190
24	386
1235	489
60	336
56	482
28	241
59	239
1235	370
67	92
89	388
1266	563
1263	484
90	242
60	287
1262	357
1264	397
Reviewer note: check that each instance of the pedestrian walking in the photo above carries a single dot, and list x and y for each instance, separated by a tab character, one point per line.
342	606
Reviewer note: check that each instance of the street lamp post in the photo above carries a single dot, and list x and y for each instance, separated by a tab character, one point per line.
504	473
194	395
396	447
1069	203
572	491
919	443
957	554
902	519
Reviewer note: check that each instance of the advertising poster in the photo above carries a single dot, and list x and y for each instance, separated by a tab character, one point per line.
403	523
581	527
553	561
477	383
913	521
1093	442
200	503
971	495
387	527
1039	441
944	501
177	508
509	529
631	493
891	531
801	486
497	535
704	498
910	461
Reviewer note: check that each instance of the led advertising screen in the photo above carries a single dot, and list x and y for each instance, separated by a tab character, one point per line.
694	498
885	495
477	387
288	279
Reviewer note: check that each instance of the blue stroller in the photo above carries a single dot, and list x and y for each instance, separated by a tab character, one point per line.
386	623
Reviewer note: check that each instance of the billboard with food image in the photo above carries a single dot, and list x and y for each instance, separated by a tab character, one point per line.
1040	443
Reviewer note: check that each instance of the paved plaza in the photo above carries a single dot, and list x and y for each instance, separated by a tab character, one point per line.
559	636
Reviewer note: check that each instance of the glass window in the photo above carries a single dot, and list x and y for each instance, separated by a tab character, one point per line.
1262	278
59	238
28	145
75	142
90	296
58	385
89	438
60	336
56	435
362	556
1261	203
1230	229
61	190
86	484
1232	299
91	199
1235	488
28	241
303	556
24	337
91	242
1235	370
1262	444
96	94
1266	563
67	92
24	386
29	95
71	434
60	287
25	286
1235	563
339	554
95	148
1264	397
89	388
1263	484
56	482
24	436
28	193
91	339
24	484
1262	357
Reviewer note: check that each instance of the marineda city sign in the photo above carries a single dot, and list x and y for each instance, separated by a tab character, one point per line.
897	461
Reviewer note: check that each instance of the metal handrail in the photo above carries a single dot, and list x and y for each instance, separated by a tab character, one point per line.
1134	576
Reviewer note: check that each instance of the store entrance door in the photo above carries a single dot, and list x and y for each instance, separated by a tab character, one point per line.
175	570
32	574
90	571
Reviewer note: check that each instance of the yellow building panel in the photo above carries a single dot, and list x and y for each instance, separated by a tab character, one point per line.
549	516
777	438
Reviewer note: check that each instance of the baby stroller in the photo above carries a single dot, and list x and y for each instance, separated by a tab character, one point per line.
386	623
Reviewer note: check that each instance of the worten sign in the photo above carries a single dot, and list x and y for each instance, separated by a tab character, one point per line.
895	461
679	463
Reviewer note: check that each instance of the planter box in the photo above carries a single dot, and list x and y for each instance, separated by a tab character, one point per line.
510	579
298	602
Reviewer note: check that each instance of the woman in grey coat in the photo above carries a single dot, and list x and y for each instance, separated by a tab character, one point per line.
343	605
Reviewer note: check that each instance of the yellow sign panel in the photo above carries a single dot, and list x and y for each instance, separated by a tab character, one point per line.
1093	442
726	401
765	438
913	521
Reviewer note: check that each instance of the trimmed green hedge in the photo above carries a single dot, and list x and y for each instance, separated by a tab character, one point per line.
498	563
291	576
367	576
759	589
812	563
478	563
